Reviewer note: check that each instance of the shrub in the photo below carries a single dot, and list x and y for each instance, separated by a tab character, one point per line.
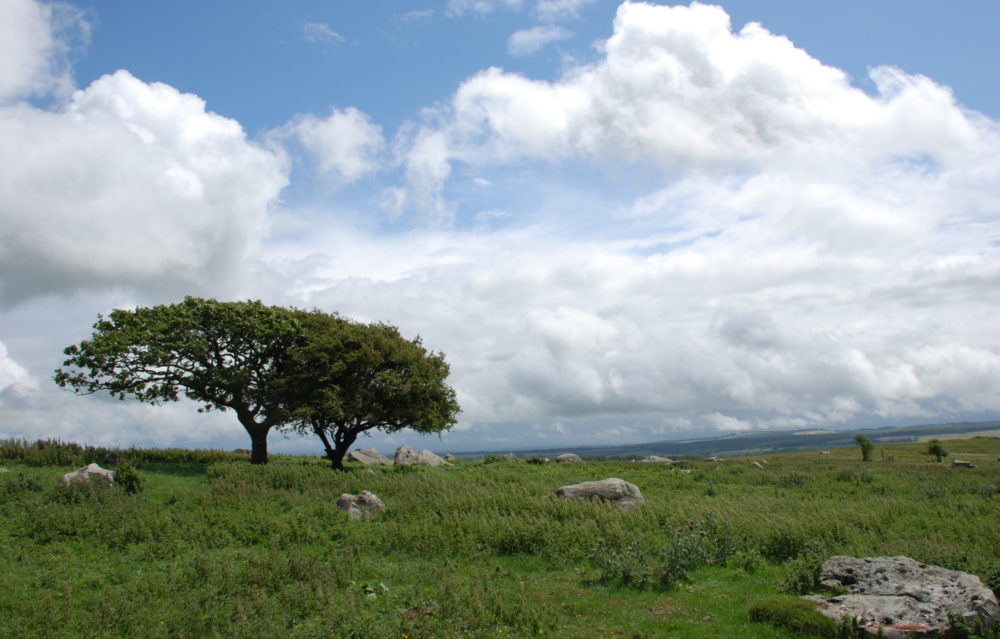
797	616
936	450
130	479
865	445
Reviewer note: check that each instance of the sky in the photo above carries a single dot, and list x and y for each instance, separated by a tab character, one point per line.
621	222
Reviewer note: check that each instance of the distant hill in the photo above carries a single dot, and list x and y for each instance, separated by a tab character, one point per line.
760	442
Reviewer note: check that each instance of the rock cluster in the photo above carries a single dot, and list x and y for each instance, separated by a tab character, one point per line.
616	491
901	598
364	504
404	457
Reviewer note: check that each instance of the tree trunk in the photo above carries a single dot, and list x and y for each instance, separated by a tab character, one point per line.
258	434
258	445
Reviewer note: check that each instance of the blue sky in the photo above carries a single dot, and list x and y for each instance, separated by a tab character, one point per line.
621	222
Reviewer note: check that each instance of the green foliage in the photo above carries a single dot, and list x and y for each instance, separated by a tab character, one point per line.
865	445
796	616
936	450
687	547
53	452
227	549
345	378
128	478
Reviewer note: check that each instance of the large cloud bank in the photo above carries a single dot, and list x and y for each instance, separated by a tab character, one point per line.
804	253
702	230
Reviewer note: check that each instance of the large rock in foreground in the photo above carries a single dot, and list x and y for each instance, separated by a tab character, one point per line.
369	456
89	473
364	504
903	598
617	491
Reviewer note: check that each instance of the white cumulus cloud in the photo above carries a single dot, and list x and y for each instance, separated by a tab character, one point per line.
130	184
529	41
345	144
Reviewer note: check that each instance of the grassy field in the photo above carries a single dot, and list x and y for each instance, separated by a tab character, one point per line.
214	547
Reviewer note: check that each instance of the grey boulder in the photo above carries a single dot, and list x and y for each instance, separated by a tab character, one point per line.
88	473
364	504
369	456
406	457
569	458
613	490
900	597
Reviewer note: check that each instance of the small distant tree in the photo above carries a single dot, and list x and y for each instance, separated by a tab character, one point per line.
866	447
224	355
346	378
936	450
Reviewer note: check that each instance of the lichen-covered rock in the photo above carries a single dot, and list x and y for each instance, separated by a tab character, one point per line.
569	458
613	490
369	456
902	598
88	473
364	504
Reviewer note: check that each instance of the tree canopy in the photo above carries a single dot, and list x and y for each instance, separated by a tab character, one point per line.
310	372
347	378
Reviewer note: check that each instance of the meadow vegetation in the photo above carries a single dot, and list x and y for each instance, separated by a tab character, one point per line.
206	545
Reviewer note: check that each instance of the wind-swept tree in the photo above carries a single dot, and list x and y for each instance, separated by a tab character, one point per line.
225	355
347	378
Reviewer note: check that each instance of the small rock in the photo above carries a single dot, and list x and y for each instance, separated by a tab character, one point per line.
364	504
757	465
961	463
4	470
450	457
713	459
510	457
569	458
614	490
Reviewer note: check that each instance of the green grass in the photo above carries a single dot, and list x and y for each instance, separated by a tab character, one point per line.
215	547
